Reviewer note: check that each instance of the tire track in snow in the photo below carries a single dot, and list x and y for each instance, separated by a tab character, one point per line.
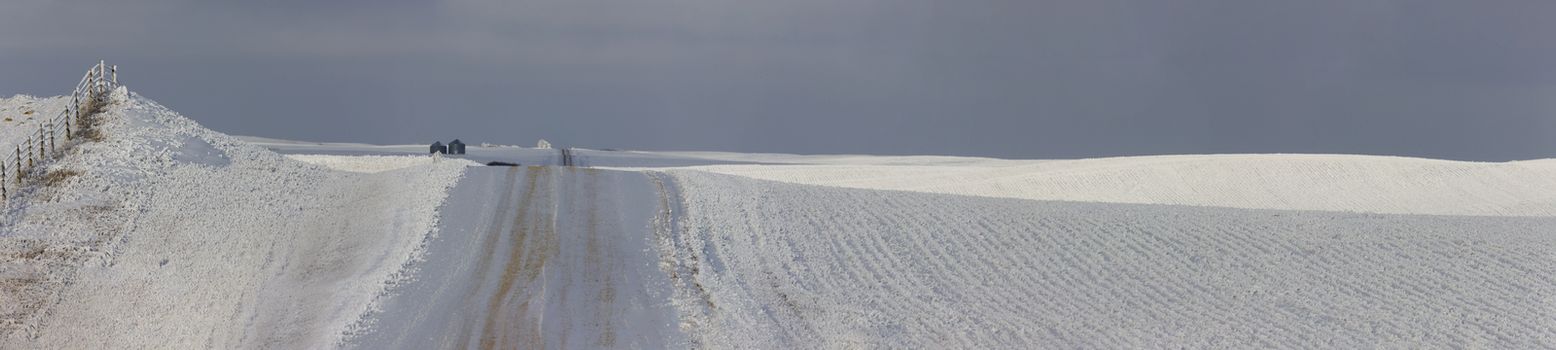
533	242
596	267
491	237
567	156
678	259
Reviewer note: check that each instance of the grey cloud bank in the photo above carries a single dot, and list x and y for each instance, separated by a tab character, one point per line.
1017	79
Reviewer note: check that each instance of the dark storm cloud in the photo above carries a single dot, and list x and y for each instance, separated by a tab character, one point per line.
1027	79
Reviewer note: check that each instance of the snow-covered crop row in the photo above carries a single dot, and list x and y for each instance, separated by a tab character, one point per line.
762	264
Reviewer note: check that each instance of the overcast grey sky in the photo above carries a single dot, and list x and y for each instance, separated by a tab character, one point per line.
1473	80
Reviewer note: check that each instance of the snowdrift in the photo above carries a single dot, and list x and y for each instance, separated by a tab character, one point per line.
175	236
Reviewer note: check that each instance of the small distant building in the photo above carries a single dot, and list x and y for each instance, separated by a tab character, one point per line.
456	147
438	147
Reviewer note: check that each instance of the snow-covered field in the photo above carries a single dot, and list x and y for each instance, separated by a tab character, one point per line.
21	115
173	236
1370	184
771	264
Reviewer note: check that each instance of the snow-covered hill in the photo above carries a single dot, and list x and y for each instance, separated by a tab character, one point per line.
1369	184
174	236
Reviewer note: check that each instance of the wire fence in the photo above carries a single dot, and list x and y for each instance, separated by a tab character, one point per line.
58	132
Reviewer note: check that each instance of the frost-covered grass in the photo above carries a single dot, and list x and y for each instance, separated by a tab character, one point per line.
194	239
58	176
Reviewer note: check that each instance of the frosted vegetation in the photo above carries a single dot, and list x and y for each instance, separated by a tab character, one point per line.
169	235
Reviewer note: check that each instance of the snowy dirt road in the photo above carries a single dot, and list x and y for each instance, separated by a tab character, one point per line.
536	257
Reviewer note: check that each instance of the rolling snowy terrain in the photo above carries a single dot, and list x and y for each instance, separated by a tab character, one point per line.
1369	184
173	236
